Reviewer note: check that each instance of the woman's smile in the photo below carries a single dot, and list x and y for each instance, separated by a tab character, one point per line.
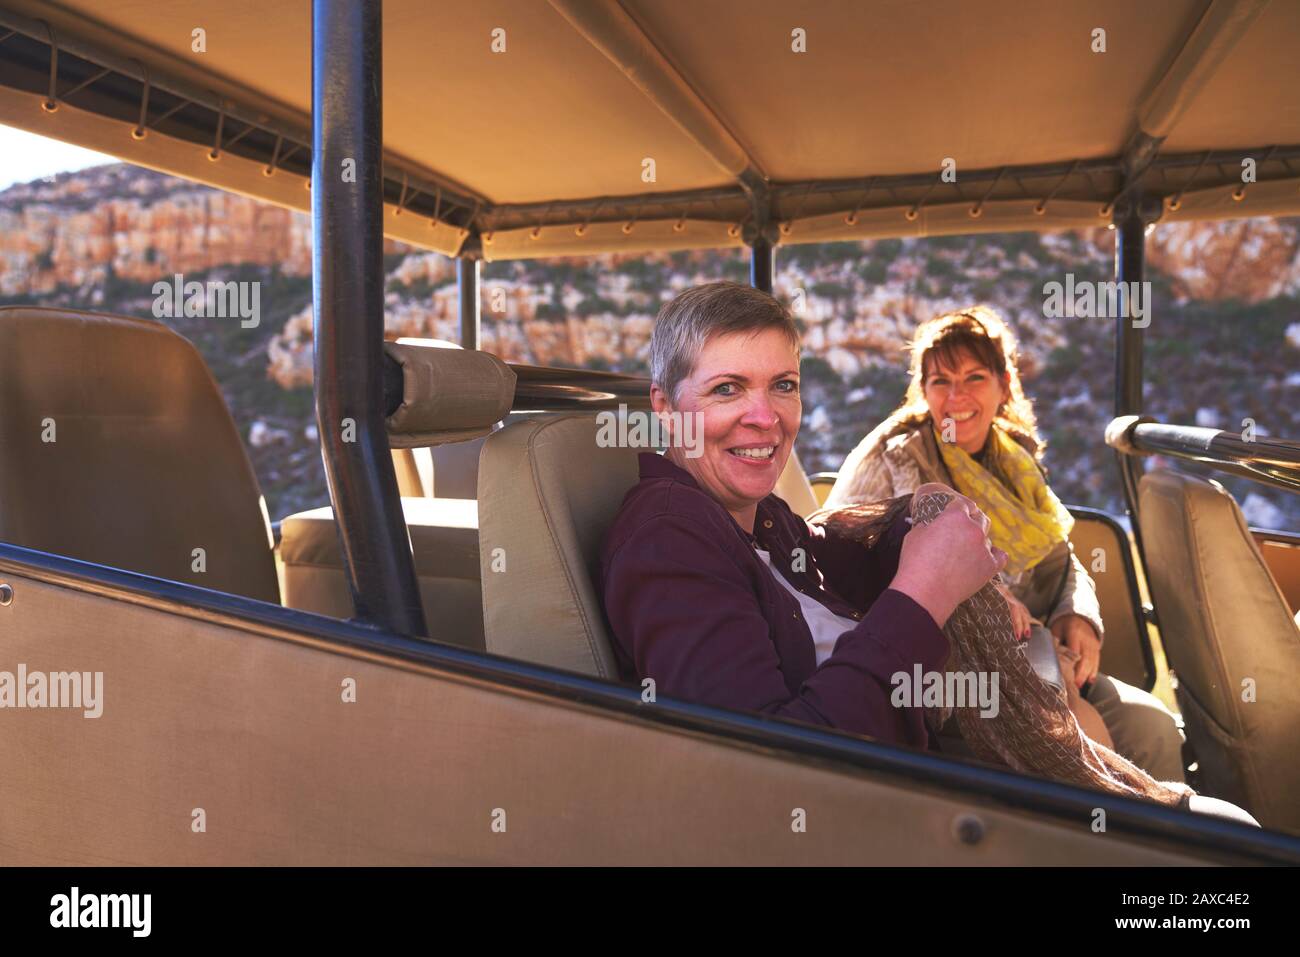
755	455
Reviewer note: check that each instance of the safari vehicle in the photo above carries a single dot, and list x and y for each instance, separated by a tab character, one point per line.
487	723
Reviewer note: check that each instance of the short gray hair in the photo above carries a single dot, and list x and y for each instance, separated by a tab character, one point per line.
691	318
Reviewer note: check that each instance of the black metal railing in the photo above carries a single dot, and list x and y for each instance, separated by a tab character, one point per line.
1265	459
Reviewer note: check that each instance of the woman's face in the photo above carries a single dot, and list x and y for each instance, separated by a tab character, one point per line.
744	391
968	395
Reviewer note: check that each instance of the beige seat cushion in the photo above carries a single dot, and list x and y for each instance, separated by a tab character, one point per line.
547	495
117	448
444	542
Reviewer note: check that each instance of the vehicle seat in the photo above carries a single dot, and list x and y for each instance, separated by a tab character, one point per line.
547	494
1223	620
117	448
443	471
444	544
793	488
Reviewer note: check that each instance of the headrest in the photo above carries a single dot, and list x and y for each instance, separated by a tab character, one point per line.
448	394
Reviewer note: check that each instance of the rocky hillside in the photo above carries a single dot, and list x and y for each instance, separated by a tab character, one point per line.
1223	345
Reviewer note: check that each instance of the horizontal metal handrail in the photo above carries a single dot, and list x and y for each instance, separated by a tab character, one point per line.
549	389
1272	461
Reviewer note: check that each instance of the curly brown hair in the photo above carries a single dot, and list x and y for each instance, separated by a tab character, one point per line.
978	331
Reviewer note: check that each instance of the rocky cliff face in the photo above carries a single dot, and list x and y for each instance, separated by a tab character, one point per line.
1222	347
79	229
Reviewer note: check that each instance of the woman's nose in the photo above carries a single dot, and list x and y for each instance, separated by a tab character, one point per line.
760	413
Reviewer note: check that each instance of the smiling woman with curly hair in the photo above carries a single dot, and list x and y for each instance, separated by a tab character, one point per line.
965	422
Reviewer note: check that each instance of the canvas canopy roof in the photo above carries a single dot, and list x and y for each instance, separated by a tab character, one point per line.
576	126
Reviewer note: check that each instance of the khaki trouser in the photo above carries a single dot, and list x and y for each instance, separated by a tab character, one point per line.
1143	729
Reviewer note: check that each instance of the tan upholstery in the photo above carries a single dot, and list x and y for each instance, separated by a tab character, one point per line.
1102	552
450	403
442	471
1283	559
414	471
793	488
145	465
444	540
455	468
1229	636
547	494
448	394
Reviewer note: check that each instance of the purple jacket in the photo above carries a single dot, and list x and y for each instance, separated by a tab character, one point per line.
693	607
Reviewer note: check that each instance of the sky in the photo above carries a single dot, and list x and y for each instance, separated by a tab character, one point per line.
26	156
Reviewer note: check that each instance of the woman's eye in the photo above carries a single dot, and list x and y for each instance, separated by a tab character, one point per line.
977	377
787	385
724	385
936	383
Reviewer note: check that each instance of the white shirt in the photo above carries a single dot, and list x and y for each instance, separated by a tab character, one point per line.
825	625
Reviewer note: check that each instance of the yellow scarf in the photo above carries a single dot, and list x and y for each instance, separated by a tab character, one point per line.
1026	525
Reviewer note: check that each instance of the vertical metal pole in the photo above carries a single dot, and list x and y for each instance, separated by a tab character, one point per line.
468	272
348	301
762	264
1130	261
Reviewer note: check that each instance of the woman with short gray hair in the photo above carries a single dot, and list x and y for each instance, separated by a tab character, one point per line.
718	592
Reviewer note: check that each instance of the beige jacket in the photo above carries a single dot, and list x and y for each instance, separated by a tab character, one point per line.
894	460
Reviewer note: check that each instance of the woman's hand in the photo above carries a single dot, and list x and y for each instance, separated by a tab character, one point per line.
1020	617
1077	634
1088	717
944	563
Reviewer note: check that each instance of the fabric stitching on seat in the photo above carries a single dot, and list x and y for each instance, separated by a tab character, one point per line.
559	552
1245	758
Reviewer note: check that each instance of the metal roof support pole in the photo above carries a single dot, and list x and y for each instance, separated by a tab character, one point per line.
348	302
1130	262
760	234
762	263
469	271
1131	217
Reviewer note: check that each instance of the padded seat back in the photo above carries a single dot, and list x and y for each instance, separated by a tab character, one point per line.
1103	548
793	488
443	471
547	495
116	447
1231	640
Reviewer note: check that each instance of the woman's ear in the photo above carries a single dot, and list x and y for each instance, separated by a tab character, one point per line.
662	408
658	399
